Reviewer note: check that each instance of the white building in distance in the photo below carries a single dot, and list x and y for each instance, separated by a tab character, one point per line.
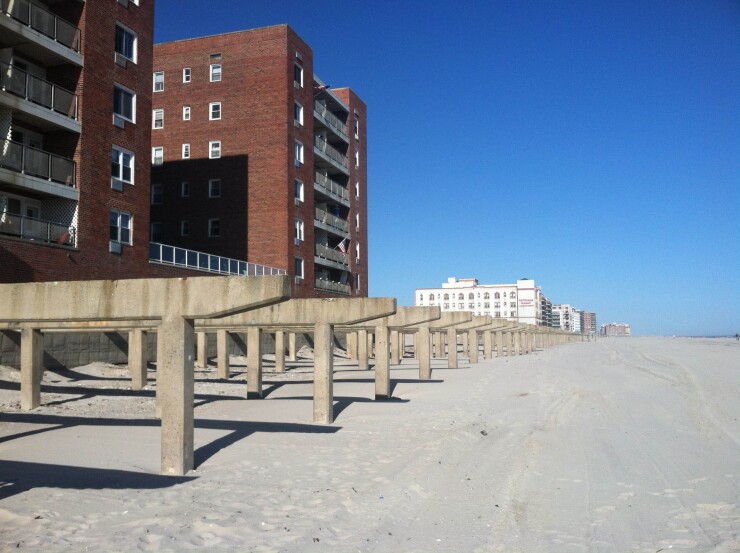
519	302
569	316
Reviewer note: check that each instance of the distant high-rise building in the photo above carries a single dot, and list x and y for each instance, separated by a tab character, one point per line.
588	322
616	329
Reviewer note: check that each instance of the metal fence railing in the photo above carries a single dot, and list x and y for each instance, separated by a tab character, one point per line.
42	20
332	120
334	154
29	228
331	186
21	83
199	261
332	286
332	254
331	220
37	163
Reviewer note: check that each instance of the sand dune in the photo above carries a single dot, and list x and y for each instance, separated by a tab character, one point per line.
613	446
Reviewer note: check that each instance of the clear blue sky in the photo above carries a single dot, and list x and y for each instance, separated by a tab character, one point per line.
592	146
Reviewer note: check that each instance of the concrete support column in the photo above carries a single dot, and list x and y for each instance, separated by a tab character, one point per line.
423	353
137	356
254	363
473	345
370	340
362	363
415	344
32	367
517	342
465	343
175	385
201	359
279	351
487	344
500	343
291	347
395	348
323	373
382	363
351	338
223	340
452	348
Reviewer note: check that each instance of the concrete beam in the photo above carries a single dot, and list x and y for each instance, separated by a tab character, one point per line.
404	317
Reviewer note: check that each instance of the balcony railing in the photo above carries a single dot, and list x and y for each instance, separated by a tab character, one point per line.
37	163
199	261
21	83
333	121
334	154
42	20
331	220
331	186
333	286
332	254
29	228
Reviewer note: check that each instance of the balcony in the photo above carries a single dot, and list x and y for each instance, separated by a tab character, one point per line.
37	164
330	120
37	17
331	188
331	221
43	103
331	257
28	228
331	154
163	254
331	286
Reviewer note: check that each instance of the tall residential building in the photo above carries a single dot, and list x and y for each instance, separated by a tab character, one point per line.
256	158
520	302
616	329
75	108
588	322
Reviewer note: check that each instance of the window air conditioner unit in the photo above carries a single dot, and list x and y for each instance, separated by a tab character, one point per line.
297	162
298	280
357	260
116	184
114	247
297	201
297	241
119	121
120	60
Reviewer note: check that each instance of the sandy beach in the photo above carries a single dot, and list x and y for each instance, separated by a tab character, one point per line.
610	446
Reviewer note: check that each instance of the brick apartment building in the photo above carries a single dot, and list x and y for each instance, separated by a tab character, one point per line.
75	108
255	158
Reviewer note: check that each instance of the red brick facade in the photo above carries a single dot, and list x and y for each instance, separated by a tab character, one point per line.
257	130
33	260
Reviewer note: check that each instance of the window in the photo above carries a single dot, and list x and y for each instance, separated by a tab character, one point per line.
214	111
357	158
186	151
158	119
214	149
497	314
460	305
431	297
155	232
124	103
496	295
298	113
298	75
298	267
299	230
214	228
298	154
471	296
156	194
120	227
184	228
357	221
215	72
159	81
471	305
125	42
186	75
512	295
184	189
214	188
122	165
446	306
357	189
299	190
186	113
357	251
357	281
446	297
357	127
486	296
157	155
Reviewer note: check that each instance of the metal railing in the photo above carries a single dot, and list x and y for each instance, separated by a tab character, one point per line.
334	154
29	228
45	22
333	286
331	186
37	163
21	83
199	261
332	254
333	121
331	220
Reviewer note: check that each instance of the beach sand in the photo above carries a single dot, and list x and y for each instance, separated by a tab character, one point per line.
617	445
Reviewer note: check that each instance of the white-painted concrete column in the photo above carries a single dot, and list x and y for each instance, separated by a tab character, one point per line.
451	348
423	353
382	363
473	345
254	363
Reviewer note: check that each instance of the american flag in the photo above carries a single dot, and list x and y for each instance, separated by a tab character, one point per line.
342	247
